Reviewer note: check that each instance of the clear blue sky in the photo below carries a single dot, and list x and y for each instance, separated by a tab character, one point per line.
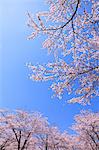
16	90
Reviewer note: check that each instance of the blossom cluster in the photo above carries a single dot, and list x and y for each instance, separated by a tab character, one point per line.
72	31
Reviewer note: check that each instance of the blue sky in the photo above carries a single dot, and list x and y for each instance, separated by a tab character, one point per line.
16	90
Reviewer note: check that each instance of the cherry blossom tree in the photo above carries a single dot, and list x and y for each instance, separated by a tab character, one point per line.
71	28
87	129
18	129
53	139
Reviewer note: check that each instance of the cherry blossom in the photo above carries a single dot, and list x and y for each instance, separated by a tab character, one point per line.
21	130
71	29
87	128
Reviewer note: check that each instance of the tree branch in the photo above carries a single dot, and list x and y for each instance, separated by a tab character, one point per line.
61	27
